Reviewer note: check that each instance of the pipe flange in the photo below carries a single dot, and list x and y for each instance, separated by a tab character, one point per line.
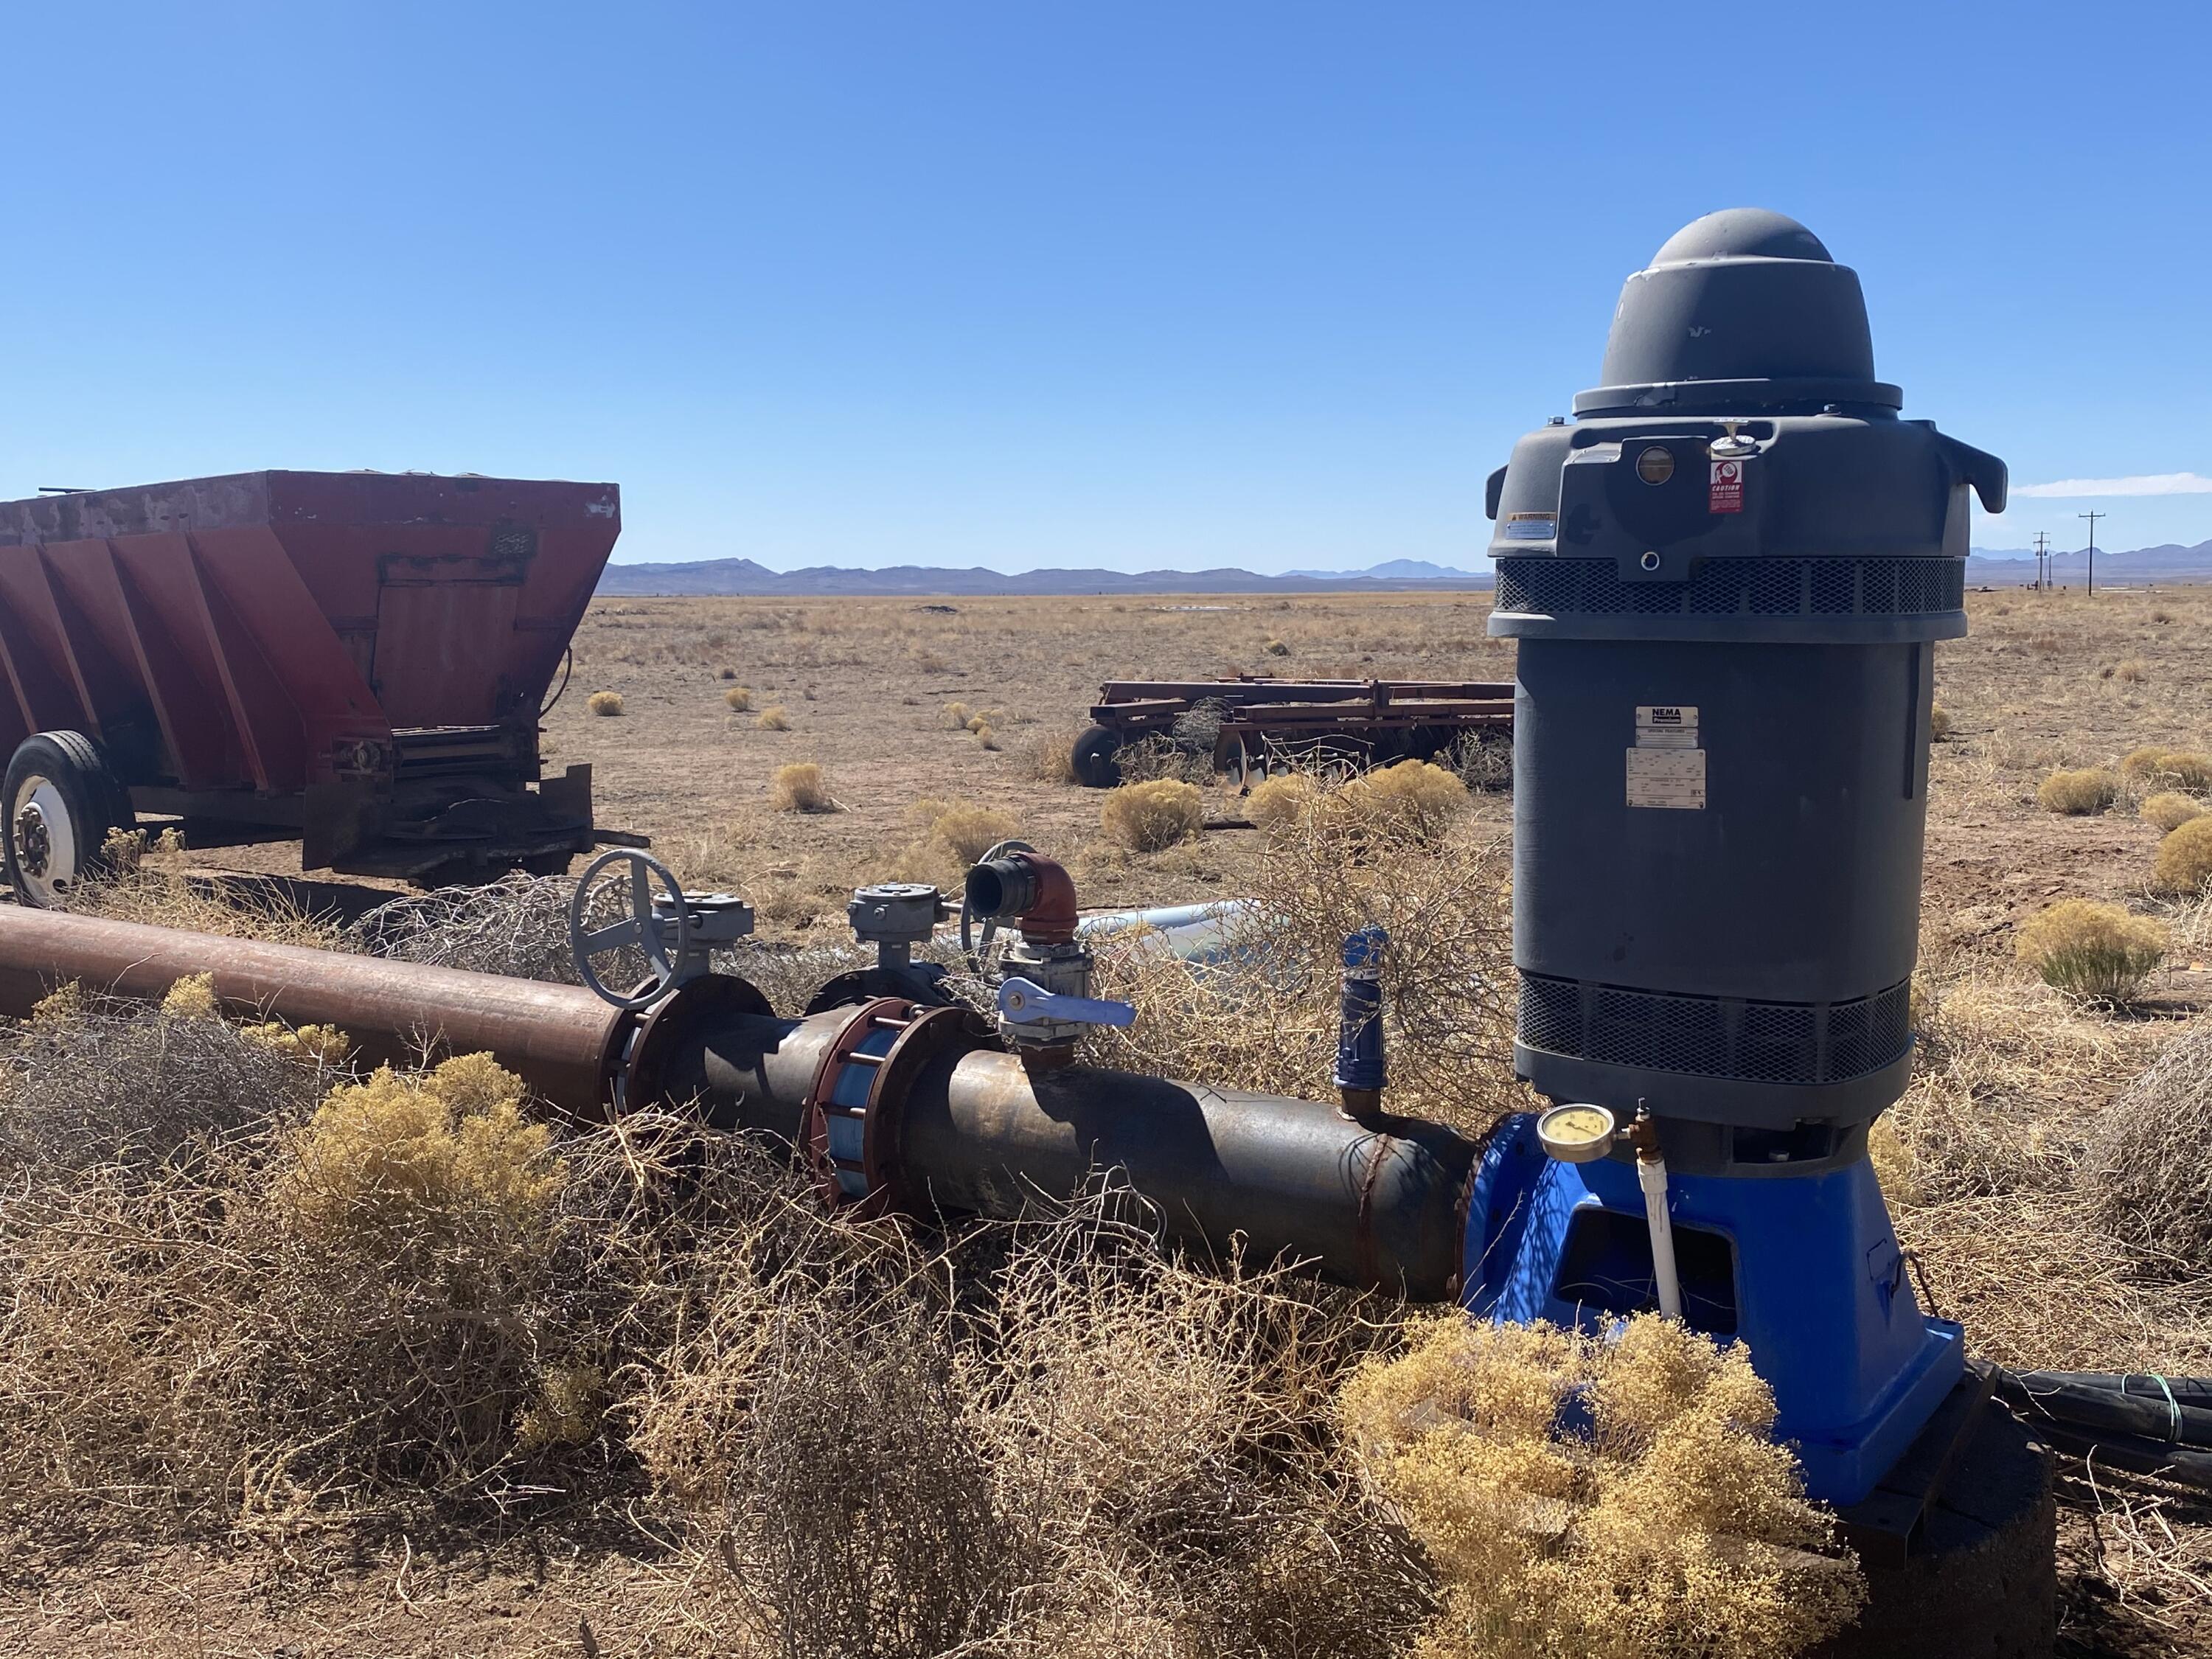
851	1124
920	981
659	1028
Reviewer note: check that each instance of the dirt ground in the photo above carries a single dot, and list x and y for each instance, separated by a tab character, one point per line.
2043	681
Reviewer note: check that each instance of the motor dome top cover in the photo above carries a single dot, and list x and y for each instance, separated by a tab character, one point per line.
1743	309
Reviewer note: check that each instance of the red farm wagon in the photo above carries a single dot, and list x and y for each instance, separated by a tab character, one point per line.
358	659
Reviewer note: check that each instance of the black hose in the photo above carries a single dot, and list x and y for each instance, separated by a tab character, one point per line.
2132	1453
2145	1385
567	667
2140	1422
2088	1405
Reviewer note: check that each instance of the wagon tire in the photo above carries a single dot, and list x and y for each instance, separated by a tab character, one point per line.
1092	761
61	800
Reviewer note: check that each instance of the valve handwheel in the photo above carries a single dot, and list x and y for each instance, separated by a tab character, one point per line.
644	928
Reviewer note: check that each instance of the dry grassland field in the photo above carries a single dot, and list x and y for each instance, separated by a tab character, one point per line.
2041	682
704	1446
866	685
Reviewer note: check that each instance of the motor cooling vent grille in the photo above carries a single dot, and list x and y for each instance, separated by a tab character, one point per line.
1715	1036
1729	587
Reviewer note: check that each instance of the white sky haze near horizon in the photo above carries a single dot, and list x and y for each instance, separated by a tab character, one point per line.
1272	284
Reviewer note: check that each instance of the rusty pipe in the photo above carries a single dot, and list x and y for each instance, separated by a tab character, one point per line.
559	1039
977	1132
1377	1203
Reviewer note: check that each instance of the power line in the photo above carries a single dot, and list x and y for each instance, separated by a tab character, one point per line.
2093	518
2042	560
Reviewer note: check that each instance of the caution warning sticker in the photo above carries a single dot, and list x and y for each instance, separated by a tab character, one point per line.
1727	488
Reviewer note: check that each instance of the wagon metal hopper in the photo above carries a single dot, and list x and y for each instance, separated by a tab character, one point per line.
357	659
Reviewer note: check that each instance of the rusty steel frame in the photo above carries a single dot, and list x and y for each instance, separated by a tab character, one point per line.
1257	710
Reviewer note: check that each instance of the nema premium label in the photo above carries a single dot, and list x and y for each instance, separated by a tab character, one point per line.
1667	777
1666	725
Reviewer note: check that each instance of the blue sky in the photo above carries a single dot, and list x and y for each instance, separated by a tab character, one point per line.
1132	285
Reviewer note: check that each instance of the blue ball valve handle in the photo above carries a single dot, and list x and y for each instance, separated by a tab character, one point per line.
1027	1003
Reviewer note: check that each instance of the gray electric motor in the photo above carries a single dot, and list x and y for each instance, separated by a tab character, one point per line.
1727	577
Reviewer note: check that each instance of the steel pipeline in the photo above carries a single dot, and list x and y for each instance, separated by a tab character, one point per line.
970	1128
559	1039
977	1131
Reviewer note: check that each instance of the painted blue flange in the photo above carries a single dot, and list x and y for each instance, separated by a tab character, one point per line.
1805	1270
845	1113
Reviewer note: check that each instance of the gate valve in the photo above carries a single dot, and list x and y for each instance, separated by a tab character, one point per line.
676	931
1024	1002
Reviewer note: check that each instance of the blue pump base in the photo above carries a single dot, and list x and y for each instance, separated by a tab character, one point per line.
1803	1269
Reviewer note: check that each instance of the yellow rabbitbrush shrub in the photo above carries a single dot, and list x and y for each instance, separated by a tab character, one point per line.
1148	818
2084	790
604	702
1413	797
2096	952
2137	765
1283	799
2183	863
2185	769
964	829
2170	808
739	698
800	788
191	998
1673	1525
1049	756
421	1150
328	1293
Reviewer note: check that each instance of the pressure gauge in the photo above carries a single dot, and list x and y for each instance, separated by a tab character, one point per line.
1579	1134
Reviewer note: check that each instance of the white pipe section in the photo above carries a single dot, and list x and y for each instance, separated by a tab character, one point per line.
1651	1175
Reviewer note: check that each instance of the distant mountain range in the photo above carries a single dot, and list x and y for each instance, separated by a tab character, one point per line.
1992	567
2169	562
1399	570
744	577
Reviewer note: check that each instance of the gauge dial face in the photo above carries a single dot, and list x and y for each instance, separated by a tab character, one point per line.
1570	1130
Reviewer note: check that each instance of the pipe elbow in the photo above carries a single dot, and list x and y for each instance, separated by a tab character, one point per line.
1050	918
1031	890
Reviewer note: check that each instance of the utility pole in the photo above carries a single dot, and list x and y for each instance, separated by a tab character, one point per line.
2093	518
2042	562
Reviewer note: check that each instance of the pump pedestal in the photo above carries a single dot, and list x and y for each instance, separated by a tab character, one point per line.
1802	1268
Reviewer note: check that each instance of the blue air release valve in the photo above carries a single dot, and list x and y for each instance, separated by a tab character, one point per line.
1027	1003
1360	1074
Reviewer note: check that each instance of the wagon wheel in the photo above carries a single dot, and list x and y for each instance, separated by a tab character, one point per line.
640	928
1092	758
63	801
1235	761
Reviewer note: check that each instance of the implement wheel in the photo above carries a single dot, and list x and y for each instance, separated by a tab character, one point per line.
1092	761
62	802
